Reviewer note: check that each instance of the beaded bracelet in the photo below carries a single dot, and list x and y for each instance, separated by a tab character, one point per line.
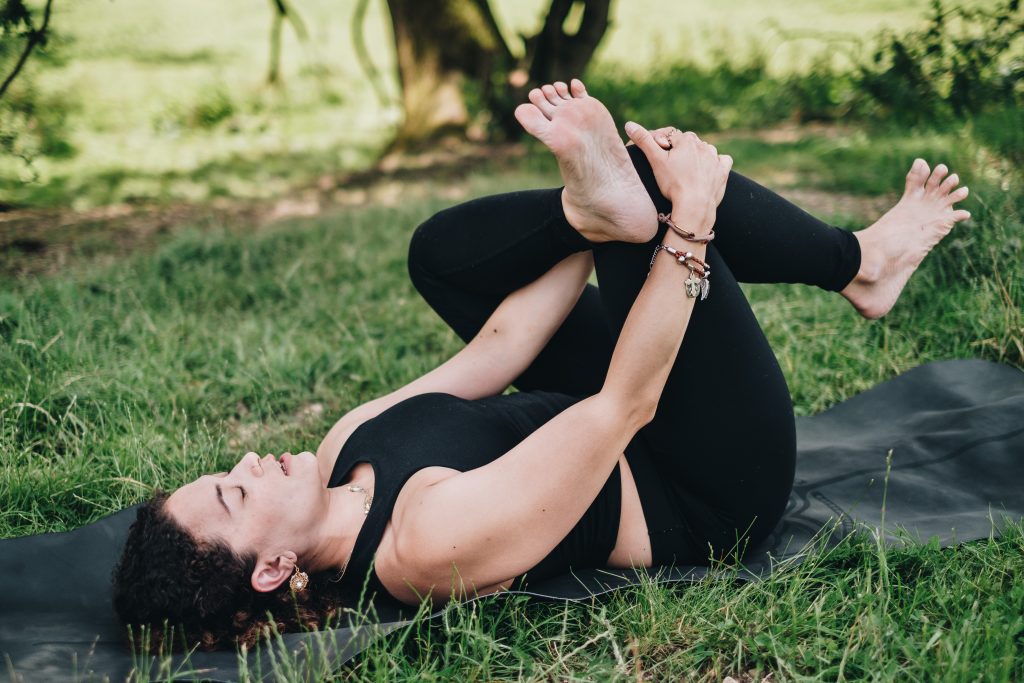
666	218
698	282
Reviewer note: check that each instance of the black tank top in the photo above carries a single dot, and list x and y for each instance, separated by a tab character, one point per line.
447	431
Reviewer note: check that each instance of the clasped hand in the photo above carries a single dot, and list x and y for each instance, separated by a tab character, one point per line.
690	172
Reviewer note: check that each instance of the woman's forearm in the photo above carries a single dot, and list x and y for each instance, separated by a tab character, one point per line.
653	331
506	344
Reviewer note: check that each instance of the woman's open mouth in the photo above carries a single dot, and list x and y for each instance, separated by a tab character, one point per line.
284	465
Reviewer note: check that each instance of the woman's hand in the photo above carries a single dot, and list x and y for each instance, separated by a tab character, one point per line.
690	172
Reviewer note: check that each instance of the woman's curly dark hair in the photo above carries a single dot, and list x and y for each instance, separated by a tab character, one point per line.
165	575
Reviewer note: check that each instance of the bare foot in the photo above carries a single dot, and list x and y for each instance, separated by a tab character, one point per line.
894	246
603	197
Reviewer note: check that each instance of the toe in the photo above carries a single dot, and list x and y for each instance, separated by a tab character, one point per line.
917	175
532	119
951	181
577	88
549	92
936	177
563	90
961	215
957	195
541	102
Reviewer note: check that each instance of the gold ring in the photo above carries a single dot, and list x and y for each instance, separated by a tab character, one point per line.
668	136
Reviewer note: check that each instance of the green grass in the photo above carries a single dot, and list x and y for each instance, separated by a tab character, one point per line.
854	613
117	378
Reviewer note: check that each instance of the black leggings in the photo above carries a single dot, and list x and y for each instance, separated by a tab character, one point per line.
715	466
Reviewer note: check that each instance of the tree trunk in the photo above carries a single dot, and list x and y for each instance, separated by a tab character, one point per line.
440	45
445	46
556	53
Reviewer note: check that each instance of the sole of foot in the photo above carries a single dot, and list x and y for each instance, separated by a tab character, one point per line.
895	245
603	197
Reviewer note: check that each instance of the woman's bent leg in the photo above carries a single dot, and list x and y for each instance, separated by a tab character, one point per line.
723	437
465	260
766	238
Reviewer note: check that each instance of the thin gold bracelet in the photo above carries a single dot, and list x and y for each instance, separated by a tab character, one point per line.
666	218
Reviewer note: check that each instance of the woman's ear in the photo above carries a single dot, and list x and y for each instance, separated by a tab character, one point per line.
273	570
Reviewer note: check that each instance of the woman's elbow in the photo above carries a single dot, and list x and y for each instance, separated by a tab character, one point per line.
643	412
633	411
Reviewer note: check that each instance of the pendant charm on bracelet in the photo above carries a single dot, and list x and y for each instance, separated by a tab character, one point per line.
698	282
693	285
697	285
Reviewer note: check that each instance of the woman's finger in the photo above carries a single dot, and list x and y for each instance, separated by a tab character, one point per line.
661	136
643	139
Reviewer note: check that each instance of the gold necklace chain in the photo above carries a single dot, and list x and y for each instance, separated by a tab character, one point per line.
367	502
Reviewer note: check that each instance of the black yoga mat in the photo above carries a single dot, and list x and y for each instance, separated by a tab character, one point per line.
955	429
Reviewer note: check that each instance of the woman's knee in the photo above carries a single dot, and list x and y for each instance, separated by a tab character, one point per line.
426	250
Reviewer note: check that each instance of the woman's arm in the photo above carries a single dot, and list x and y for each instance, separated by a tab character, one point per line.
506	345
485	526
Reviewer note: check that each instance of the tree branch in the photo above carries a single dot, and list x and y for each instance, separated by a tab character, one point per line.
363	55
282	13
293	16
35	37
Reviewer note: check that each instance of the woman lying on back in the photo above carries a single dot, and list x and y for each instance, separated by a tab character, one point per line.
620	449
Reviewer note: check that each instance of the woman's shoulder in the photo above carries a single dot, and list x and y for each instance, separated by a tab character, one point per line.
399	560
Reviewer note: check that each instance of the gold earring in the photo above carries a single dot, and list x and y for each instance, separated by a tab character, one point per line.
299	581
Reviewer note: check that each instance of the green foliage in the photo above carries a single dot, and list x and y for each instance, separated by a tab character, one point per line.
214	105
33	123
1002	129
15	23
730	92
966	63
963	62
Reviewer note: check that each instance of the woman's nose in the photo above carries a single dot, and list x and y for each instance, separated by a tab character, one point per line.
250	463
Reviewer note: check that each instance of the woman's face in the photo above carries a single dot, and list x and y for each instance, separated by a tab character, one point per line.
263	505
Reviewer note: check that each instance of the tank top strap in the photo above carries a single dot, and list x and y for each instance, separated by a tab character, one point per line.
385	492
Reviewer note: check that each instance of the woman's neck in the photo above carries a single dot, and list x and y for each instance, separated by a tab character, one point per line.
336	535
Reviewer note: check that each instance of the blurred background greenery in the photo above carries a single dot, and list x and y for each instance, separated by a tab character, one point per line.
164	101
